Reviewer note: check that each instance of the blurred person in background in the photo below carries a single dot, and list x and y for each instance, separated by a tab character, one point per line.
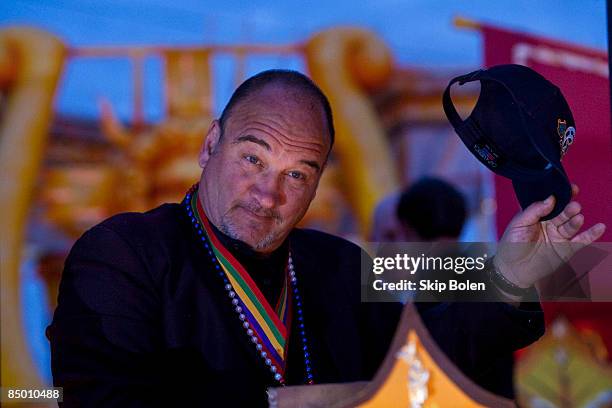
431	209
386	227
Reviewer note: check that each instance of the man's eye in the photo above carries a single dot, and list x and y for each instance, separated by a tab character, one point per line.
252	159
296	175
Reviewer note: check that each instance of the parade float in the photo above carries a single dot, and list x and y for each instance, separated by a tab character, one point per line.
63	174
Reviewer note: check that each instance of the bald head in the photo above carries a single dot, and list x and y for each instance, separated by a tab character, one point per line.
299	90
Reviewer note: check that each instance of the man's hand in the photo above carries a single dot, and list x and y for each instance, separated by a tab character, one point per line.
531	249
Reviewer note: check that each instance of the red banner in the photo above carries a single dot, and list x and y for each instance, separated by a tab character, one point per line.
582	75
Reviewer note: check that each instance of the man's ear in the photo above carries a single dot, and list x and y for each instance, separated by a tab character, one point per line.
211	142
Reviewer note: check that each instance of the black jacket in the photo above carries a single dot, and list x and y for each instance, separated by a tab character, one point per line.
142	321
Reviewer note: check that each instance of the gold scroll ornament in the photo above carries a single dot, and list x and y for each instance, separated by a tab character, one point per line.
30	65
345	63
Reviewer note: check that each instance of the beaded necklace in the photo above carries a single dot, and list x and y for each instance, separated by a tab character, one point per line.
267	328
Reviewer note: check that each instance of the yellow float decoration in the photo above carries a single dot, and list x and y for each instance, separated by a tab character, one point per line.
31	62
415	374
566	368
345	62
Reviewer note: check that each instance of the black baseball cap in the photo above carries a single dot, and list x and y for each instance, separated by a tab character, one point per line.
520	128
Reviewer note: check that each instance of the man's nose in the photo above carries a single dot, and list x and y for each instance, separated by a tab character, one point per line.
267	189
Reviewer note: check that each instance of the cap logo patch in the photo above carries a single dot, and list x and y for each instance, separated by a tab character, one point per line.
487	154
566	135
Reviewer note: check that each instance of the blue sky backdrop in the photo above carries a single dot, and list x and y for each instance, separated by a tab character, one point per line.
419	32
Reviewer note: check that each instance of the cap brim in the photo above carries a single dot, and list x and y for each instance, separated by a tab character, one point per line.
554	182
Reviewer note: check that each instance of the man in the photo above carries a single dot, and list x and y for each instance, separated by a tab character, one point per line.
209	302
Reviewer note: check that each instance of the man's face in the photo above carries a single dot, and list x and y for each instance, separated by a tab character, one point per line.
259	178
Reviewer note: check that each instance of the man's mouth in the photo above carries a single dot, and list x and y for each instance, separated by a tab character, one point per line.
257	215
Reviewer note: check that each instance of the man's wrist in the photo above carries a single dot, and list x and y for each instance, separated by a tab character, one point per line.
508	289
